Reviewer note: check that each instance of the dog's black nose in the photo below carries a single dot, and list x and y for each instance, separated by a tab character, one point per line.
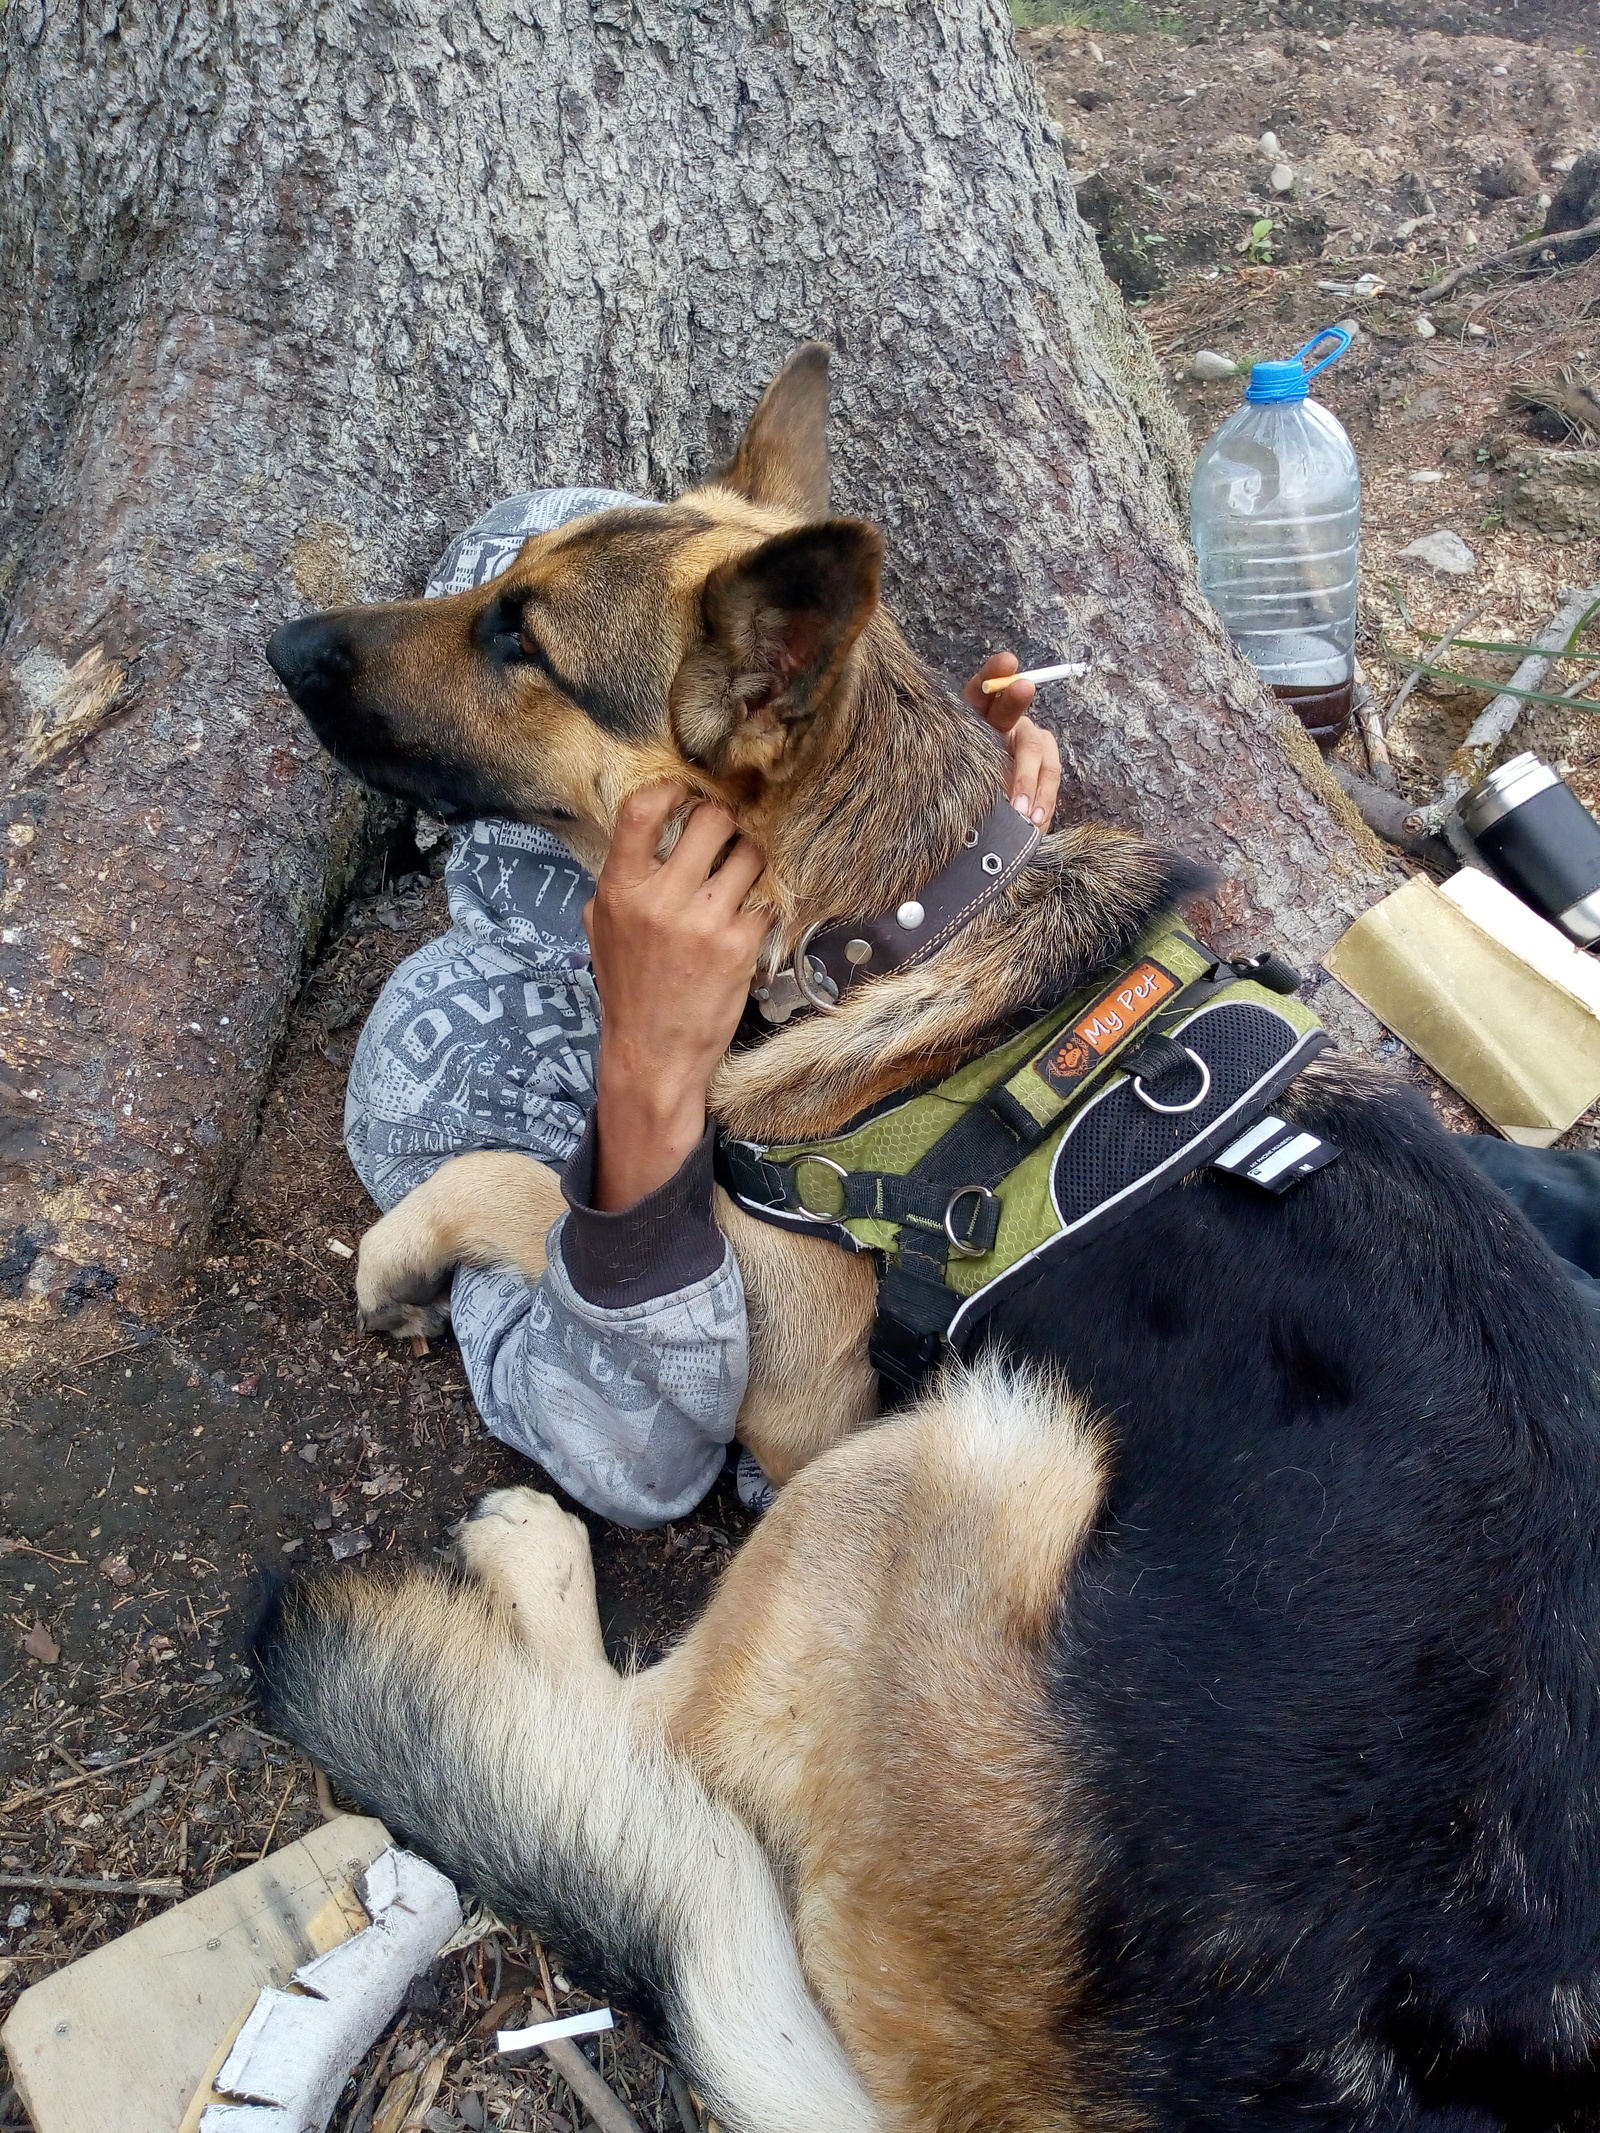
314	659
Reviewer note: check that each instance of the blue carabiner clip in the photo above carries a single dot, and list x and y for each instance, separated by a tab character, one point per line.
1341	337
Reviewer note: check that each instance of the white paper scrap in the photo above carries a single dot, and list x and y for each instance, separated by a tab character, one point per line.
578	2025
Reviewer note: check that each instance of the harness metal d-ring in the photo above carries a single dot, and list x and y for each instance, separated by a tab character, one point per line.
1194	1102
962	1250
818	1214
800	969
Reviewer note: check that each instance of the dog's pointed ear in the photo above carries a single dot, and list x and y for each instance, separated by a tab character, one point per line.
782	458
778	626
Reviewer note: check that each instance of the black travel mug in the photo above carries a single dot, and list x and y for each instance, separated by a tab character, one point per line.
1543	843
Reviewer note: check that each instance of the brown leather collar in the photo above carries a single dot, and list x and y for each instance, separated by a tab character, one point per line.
833	957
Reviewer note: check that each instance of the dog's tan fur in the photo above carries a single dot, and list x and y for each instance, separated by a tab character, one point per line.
867	1685
865	1693
809	726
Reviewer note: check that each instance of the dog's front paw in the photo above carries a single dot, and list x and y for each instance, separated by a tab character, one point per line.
401	1286
534	1557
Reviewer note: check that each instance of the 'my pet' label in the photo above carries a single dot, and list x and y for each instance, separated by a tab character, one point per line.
1113	1017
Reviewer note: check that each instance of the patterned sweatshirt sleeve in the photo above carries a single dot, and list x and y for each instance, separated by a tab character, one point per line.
622	1371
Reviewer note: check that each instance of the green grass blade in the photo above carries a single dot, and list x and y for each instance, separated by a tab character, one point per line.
1584	620
1491	688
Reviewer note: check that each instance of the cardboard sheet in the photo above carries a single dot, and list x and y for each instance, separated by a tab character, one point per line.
1495	999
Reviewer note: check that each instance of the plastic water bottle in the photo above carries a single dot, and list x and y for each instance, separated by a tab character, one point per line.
1275	511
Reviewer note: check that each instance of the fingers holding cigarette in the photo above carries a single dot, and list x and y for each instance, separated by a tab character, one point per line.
1001	696
1071	671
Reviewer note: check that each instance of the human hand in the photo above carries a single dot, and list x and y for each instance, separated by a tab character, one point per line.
673	957
1035	758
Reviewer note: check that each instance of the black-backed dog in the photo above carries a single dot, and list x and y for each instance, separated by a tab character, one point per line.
1185	1715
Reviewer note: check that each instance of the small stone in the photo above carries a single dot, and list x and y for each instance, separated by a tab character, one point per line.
17	1917
1282	178
1477	333
1426	329
1563	164
1442	551
344	1545
1426	474
1501	71
1211	364
117	1568
1269	144
1541	202
1508	177
307	1452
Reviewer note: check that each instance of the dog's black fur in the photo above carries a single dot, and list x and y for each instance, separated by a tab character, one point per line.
1337	1642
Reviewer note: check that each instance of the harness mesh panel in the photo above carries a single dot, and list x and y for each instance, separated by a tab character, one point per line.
1118	1140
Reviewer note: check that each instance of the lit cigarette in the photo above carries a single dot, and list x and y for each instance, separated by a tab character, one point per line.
1070	672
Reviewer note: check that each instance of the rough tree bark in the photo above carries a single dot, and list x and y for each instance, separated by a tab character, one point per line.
291	292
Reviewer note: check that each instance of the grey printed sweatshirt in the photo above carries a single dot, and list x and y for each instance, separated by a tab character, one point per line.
621	1371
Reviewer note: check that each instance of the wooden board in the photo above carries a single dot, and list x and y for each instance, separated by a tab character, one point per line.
127	2037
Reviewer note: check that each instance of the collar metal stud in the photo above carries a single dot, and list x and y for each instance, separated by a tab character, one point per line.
858	952
910	916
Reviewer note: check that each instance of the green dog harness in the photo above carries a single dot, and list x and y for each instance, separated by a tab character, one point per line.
1112	1095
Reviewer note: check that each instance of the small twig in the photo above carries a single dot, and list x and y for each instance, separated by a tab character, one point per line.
1415	675
166	1885
1497	718
596	2095
142	1755
682	2101
369	2087
1390	814
1370	720
1503	259
544	1972
1584	681
272	1826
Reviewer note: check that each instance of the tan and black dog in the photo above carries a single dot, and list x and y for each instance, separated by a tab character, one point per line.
1187	1715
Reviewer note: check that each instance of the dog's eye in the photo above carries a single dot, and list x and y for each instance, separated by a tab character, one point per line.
515	647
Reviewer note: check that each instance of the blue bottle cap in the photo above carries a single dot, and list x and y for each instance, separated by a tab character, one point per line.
1270	382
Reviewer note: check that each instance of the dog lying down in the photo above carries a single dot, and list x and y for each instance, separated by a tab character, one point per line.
1186	1713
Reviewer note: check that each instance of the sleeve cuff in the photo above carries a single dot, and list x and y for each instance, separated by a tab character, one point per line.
667	1241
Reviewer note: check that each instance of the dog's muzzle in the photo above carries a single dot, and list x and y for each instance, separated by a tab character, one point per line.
315	661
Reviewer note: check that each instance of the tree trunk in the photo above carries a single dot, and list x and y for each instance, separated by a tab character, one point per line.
291	293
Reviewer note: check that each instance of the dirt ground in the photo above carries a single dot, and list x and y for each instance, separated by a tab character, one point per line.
154	1469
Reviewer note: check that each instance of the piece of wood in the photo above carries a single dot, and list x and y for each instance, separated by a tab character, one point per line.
125	2037
164	1885
596	2095
1390	815
1513	257
1403	693
123	1762
1496	719
295	2052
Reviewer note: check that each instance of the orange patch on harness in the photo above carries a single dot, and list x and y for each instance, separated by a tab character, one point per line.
1106	1025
